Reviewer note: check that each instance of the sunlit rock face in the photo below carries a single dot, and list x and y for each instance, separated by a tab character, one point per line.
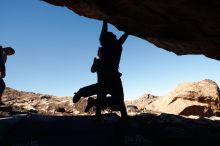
30	102
199	98
183	26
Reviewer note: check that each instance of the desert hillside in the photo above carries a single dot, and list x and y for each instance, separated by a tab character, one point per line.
199	99
37	103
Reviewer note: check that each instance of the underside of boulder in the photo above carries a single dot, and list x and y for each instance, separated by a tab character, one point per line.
183	26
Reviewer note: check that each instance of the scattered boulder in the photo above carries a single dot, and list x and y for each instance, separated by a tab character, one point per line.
112	108
45	97
81	105
142	101
4	108
132	108
60	109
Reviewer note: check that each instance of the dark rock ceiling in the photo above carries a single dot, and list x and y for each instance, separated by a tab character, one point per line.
180	26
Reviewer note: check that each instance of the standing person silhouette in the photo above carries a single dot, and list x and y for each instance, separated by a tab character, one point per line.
4	52
109	81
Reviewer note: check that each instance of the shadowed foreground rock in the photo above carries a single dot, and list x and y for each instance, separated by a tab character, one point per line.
142	130
182	27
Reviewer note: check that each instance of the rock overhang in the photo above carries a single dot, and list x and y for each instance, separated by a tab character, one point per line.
182	27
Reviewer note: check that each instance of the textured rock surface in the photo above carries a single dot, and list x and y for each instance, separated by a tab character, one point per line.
182	27
142	101
37	103
199	98
81	105
28	102
139	130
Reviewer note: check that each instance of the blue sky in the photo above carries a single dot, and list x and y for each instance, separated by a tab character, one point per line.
55	49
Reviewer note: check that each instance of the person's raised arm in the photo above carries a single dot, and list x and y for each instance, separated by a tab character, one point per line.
123	38
104	29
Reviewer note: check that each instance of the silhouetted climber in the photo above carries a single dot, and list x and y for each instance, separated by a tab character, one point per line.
109	82
4	52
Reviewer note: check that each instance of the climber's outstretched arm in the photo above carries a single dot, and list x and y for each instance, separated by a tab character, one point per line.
104	29
123	38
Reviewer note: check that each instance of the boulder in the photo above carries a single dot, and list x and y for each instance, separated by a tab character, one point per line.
132	108
82	103
182	27
198	98
142	101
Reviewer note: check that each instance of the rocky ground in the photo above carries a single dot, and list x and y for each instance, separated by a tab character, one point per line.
139	130
199	99
29	102
188	115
